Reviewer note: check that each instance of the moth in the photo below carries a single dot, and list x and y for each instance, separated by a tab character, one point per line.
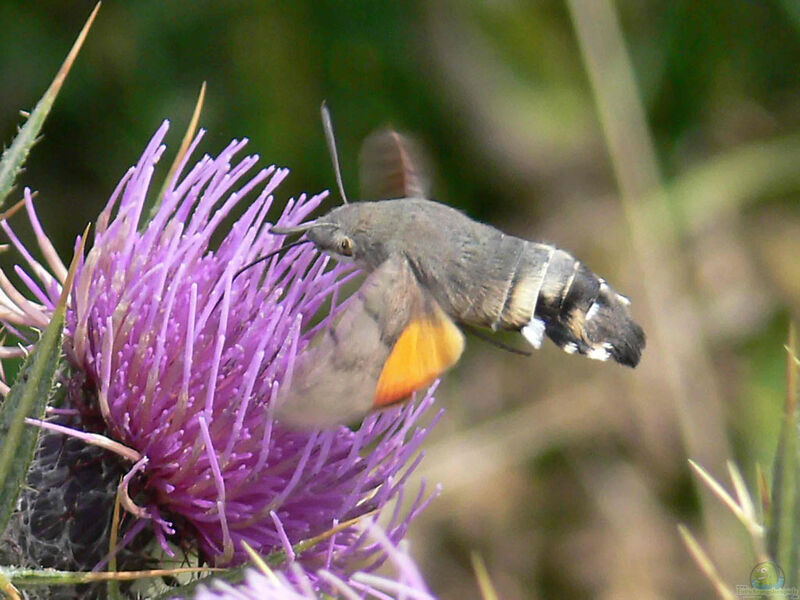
430	269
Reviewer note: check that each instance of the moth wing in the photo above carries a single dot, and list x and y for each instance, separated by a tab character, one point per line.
392	166
392	339
429	345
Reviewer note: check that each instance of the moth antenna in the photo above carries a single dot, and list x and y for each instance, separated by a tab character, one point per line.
327	125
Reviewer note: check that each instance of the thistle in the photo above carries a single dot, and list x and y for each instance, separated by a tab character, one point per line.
176	358
299	584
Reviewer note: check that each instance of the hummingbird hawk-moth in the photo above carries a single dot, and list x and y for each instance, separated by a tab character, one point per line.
431	268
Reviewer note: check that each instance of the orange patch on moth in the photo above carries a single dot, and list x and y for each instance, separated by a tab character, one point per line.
425	350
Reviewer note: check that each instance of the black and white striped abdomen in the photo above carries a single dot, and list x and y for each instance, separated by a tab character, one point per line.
552	293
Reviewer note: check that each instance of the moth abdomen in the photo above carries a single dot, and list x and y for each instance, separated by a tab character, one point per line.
583	314
551	293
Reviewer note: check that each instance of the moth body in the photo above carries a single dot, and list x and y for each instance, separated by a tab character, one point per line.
430	267
485	278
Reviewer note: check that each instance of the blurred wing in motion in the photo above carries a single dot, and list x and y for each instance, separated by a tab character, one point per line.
392	166
392	339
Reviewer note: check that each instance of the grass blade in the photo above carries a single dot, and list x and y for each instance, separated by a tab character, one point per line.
14	157
783	530
484	580
706	565
191	132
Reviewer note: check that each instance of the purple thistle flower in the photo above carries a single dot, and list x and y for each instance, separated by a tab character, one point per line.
179	360
297	584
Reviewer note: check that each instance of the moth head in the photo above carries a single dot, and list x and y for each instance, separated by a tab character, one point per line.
336	233
331	238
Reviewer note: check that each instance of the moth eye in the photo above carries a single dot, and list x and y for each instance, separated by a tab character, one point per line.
346	247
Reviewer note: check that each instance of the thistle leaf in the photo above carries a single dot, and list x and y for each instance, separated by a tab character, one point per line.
28	398
14	157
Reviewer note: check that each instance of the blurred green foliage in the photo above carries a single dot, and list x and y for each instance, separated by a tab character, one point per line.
498	94
268	66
